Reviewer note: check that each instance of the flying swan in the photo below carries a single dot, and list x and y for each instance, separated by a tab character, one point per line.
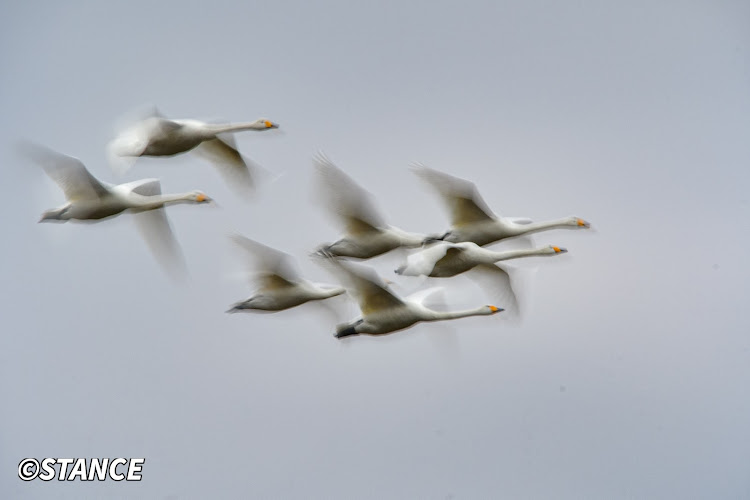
471	218
280	286
91	200
366	234
159	136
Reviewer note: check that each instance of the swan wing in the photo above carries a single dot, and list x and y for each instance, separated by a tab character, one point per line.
274	264
346	199
365	285
272	281
460	196
423	297
497	283
68	172
223	154
143	187
423	262
156	230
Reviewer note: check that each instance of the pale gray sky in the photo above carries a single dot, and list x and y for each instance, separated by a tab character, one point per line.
629	379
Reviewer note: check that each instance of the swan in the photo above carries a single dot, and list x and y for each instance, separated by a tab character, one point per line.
156	135
445	259
280	285
90	200
382	311
366	234
471	218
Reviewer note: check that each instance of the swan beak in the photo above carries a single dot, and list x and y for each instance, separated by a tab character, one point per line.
270	124
495	309
559	250
583	223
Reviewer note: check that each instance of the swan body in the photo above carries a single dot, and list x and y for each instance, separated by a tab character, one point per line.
471	218
446	259
159	136
366	233
280	286
382	311
90	199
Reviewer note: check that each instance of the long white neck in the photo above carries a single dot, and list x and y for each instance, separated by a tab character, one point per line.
236	127
535	227
432	315
490	257
157	201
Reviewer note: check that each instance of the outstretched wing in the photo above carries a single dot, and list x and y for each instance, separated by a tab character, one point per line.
423	262
365	285
68	172
461	197
497	282
156	230
223	154
346	199
275	269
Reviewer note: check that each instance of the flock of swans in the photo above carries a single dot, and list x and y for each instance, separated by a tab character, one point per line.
279	286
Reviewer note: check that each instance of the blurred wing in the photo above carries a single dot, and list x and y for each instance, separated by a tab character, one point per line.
345	198
269	261
235	170
433	298
68	172
460	196
144	187
497	283
271	281
366	286
156	230
423	262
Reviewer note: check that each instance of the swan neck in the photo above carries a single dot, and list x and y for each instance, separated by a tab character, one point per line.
535	227
440	315
510	254
235	127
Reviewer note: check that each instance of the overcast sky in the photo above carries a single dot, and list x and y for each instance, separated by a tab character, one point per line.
630	376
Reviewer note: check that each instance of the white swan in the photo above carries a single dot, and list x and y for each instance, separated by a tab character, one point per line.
446	259
280	285
159	136
382	311
91	200
366	234
471	218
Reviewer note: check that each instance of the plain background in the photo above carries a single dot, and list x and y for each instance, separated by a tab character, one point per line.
629	377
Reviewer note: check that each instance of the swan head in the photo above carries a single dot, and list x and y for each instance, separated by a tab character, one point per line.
494	309
198	197
553	250
578	222
264	124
